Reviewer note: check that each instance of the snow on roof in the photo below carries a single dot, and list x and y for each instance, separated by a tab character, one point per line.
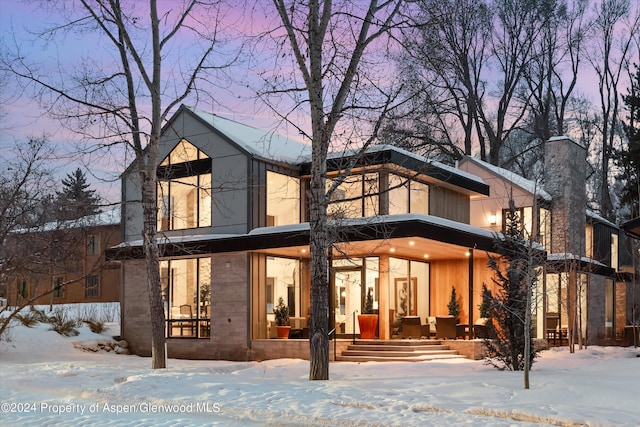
570	256
108	217
526	184
301	227
272	146
385	147
592	214
561	138
258	142
162	239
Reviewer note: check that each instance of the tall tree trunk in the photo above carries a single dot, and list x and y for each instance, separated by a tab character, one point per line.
319	247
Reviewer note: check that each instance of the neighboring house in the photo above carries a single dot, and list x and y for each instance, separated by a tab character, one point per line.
579	291
68	258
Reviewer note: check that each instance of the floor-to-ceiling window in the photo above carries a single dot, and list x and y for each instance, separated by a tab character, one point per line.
186	291
356	196
408	289
407	196
283	199
184	189
283	281
353	278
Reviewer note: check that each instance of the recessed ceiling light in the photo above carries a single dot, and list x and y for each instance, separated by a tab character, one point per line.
426	255
411	243
392	250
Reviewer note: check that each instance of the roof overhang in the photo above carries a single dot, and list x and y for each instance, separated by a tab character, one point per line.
410	235
632	228
433	171
562	263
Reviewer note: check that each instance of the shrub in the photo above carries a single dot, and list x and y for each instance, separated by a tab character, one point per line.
62	324
29	318
96	326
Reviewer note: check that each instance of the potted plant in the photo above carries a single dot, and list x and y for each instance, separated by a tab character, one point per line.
281	312
453	306
368	321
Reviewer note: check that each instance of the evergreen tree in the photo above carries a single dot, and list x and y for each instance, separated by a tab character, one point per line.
453	306
514	277
629	160
76	198
485	305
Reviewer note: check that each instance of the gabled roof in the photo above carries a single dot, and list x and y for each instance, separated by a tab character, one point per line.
527	185
257	142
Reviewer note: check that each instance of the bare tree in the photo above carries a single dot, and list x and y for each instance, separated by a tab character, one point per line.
329	42
32	242
445	55
128	100
614	27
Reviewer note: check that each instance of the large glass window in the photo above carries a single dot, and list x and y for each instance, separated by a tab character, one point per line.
283	281
545	228
614	251
588	239
186	292
283	199
184	189
408	288
609	309
355	197
406	196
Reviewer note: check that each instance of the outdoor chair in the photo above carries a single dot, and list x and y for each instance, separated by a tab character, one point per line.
411	327
446	327
480	328
552	327
185	320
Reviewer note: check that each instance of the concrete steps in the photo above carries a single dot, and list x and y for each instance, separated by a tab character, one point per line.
397	351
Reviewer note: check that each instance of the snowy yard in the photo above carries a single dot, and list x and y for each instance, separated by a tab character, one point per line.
46	381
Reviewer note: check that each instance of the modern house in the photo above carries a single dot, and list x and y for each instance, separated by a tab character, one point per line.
67	258
232	215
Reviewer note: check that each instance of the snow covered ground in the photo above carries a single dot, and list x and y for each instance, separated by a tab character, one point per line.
46	381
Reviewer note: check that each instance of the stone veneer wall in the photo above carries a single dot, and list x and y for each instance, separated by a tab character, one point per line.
136	326
230	305
565	177
596	334
229	311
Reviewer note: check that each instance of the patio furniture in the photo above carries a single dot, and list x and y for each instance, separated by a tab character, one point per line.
446	327
462	331
480	328
186	322
411	327
431	322
552	327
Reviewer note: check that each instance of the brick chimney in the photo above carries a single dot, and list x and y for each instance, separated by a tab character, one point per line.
564	178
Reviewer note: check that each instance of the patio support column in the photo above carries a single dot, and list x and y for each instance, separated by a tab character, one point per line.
470	320
383	298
